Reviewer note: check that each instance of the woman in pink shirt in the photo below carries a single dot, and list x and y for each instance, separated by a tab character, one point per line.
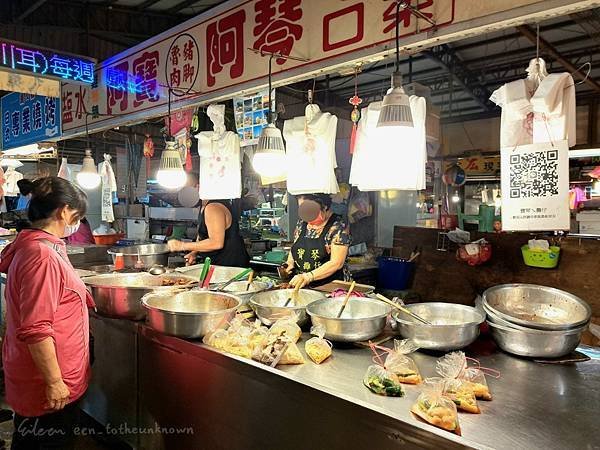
46	349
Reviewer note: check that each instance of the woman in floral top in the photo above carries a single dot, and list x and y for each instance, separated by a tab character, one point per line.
321	242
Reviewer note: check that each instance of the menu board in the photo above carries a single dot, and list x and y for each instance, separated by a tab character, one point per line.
251	115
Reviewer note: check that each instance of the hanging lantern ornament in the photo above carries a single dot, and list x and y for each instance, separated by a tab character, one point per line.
454	176
355	100
195	122
148	153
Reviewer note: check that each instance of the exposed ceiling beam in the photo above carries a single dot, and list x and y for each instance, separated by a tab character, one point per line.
146	4
545	46
590	22
29	11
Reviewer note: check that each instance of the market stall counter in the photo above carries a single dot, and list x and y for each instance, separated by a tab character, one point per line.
231	402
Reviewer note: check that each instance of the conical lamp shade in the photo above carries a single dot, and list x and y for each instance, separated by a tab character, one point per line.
395	110
88	177
170	172
269	158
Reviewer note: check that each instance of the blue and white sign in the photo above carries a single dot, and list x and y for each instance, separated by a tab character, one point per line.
28	119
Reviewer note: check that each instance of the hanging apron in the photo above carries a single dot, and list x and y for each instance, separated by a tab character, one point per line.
311	253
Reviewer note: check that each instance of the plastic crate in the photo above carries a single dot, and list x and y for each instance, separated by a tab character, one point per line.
543	260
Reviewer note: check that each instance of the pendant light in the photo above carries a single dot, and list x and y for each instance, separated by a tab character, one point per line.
88	177
395	110
170	171
269	157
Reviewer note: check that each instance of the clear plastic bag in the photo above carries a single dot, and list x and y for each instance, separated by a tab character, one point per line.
318	348
379	379
217	339
287	326
460	392
434	408
455	366
258	336
272	351
402	365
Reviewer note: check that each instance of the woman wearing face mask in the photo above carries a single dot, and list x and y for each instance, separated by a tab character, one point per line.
46	349
321	242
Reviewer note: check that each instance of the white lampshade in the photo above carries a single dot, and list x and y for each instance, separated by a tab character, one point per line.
269	158
88	177
395	110
170	172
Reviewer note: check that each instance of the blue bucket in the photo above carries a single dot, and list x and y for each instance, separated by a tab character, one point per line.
394	273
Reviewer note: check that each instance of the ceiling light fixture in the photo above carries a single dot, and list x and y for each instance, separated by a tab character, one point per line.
88	177
171	174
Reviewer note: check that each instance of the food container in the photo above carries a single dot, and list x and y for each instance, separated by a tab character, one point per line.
190	314
119	294
107	239
221	274
536	343
238	288
538	307
453	326
149	254
363	318
543	260
269	308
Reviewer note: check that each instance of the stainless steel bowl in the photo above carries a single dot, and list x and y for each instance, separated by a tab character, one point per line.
149	254
269	308
190	314
536	343
220	275
538	307
238	288
453	326
102	268
363	318
119	294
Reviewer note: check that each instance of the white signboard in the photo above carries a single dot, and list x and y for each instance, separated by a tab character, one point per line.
535	187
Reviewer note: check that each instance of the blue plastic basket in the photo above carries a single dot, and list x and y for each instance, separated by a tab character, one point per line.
394	273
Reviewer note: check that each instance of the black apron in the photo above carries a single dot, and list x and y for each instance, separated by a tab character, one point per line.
234	251
310	253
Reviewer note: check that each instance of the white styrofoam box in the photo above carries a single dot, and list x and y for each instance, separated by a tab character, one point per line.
589	227
174	213
588	216
137	229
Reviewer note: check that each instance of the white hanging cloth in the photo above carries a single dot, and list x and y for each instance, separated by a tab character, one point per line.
11	177
310	152
388	158
538	109
2	198
220	159
64	171
109	185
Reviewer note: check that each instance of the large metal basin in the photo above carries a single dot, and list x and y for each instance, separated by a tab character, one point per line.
453	326
538	307
536	343
149	254
119	294
362	319
220	275
238	288
269	308
190	314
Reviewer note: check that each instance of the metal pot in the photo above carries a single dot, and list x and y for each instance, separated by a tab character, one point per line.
453	326
119	294
190	314
363	318
536	343
238	288
269	308
149	254
220	275
538	307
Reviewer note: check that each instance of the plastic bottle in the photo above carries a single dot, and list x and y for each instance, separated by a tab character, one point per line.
119	261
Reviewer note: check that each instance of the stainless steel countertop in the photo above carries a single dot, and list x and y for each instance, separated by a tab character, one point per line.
546	406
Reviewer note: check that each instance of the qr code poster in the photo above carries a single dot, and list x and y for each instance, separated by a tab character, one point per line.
535	187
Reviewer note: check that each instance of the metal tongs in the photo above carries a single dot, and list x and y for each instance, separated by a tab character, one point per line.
401	307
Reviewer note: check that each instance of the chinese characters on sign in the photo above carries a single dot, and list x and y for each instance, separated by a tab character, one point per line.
535	187
15	56
225	46
28	119
276	26
183	63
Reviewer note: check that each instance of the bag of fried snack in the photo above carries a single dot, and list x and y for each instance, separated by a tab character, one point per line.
455	365
287	326
378	379
217	339
402	365
258	335
460	392
434	408
278	349
318	348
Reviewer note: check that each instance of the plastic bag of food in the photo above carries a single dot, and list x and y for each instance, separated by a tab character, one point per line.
292	355
434	408
460	392
455	366
217	339
287	326
278	349
318	348
402	365
378	379
258	335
